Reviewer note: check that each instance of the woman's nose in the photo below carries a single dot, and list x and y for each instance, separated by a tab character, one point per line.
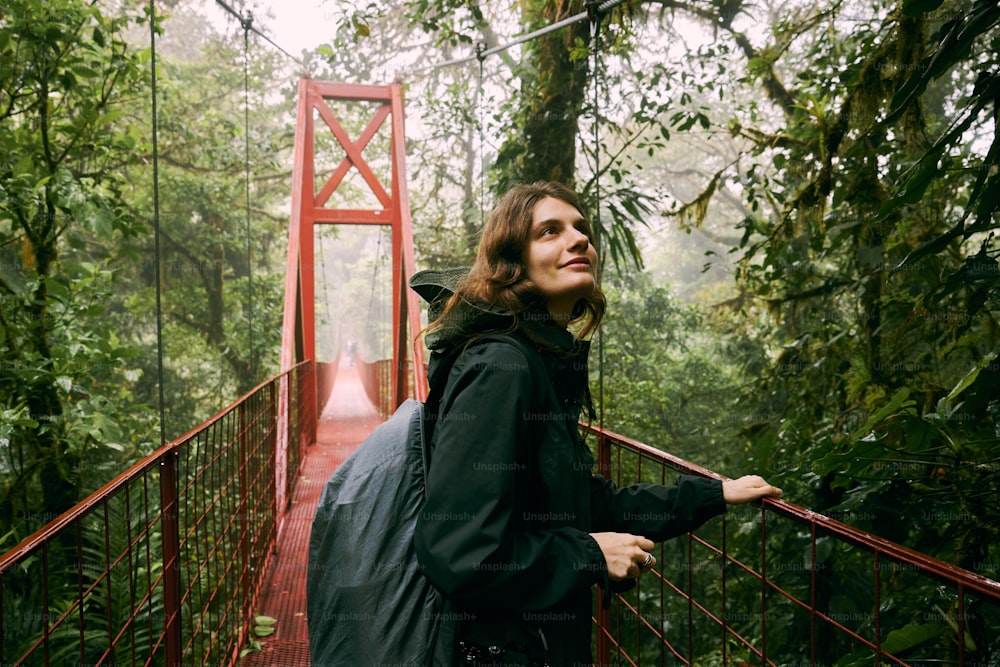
578	238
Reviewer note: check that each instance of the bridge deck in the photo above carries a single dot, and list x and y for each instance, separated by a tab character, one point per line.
348	418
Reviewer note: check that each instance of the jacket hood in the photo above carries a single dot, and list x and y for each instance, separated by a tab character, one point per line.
566	356
436	286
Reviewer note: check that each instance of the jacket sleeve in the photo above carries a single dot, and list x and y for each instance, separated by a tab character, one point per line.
465	538
655	511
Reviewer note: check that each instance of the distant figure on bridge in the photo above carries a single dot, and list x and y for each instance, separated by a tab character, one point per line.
352	350
516	528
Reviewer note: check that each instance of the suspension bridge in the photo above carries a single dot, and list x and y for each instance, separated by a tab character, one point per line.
174	560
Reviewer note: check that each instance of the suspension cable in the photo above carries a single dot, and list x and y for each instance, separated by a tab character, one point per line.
156	220
595	31
594	11
480	55
326	284
371	298
246	177
247	26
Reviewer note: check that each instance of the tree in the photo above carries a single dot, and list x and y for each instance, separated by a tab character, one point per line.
671	375
553	77
868	262
220	304
65	78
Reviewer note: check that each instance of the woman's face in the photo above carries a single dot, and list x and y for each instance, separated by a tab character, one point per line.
560	258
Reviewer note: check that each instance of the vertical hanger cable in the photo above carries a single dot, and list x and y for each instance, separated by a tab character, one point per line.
480	49
156	219
595	29
247	23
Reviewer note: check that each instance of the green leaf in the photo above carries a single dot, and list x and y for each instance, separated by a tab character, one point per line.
969	378
970	644
912	635
853	461
265	620
252	647
922	174
263	630
899	400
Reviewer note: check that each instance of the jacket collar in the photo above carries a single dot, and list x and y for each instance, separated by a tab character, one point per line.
564	356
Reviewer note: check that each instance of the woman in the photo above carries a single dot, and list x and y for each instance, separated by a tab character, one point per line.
516	528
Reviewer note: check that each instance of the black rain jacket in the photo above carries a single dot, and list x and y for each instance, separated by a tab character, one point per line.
511	495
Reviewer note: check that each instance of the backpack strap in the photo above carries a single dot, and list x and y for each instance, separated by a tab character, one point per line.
428	411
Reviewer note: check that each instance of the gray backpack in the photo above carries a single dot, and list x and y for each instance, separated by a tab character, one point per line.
368	603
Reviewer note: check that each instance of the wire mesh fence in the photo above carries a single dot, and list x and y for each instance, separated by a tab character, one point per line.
785	586
163	564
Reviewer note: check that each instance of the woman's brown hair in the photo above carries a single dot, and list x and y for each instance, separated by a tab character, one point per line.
499	277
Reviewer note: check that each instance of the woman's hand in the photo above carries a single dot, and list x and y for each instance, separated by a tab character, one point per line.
625	554
747	489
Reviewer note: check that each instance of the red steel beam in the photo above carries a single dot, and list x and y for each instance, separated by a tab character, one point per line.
310	208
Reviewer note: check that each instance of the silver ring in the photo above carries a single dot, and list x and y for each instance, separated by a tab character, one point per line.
645	563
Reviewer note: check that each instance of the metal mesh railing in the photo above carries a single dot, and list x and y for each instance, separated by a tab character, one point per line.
163	564
782	585
376	377
303	414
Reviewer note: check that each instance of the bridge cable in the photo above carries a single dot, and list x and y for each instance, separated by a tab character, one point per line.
246	26
326	288
595	47
373	328
246	173
481	56
596	9
246	22
377	350
156	219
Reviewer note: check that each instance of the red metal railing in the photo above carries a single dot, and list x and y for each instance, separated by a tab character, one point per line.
377	377
326	377
303	412
782	585
163	564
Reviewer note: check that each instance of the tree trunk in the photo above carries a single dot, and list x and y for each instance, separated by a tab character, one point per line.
553	90
58	471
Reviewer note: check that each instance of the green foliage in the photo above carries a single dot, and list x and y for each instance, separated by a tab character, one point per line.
670	377
104	604
450	20
66	77
882	297
221	266
868	277
77	311
119	596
